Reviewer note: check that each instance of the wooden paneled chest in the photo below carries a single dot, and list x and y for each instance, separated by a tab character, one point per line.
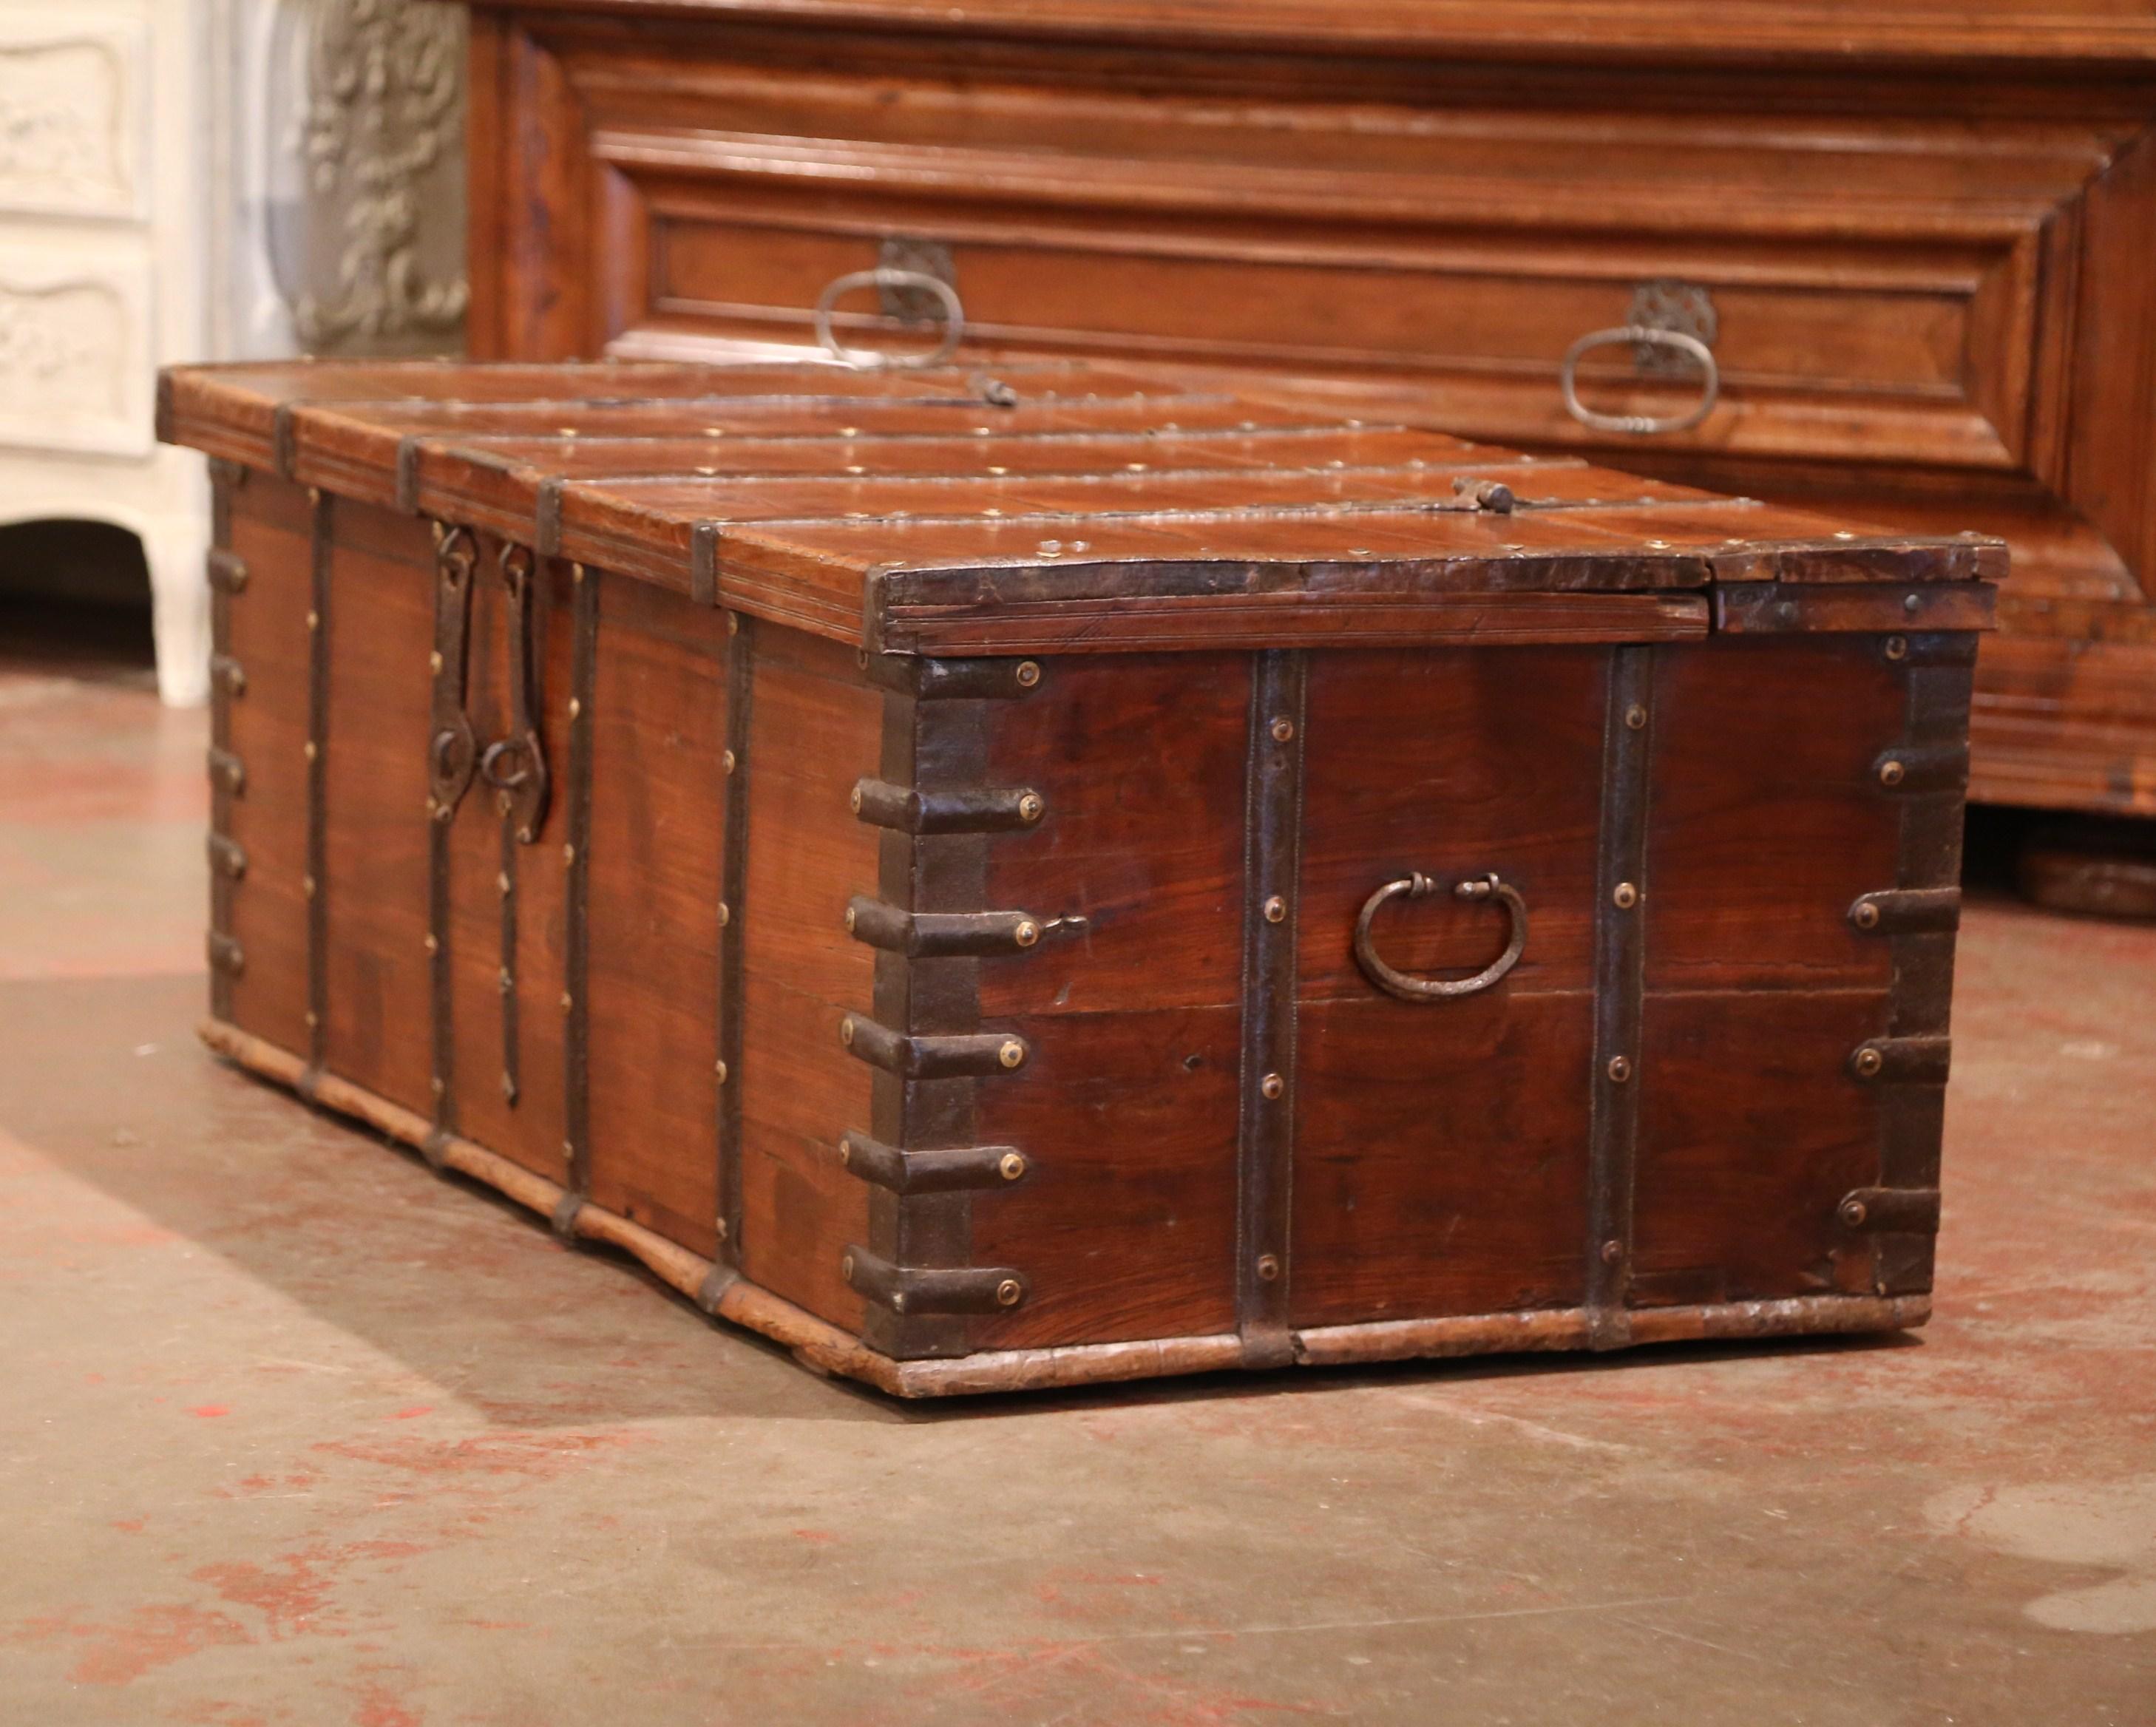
1008	881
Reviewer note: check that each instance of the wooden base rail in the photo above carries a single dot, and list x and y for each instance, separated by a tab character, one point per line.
826	1348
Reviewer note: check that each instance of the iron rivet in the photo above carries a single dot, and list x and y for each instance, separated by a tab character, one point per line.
1012	1054
719	1068
1620	1069
1030	807
727	761
845	1153
575	707
434	942
1912	603
568	854
1268	1267
725	915
850	919
1283	730
1624	896
434	662
1897	647
1026	935
1612	1251
1866	915
855	800
1028	674
1868	1061
1853	1212
310	749
1276	909
1635	717
1272	1085
1011	1165
846	1032
1010	1292
1892	772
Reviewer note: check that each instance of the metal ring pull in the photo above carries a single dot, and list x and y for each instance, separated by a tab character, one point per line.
1427	989
1642	425
890	276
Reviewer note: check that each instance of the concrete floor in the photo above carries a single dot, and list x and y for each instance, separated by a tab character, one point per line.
296	1432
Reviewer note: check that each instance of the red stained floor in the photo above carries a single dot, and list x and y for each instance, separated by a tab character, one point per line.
296	1432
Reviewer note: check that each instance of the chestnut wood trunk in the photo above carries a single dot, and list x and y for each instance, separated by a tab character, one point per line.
1127	879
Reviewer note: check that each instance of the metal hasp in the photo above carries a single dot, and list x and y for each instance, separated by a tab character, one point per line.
1419	886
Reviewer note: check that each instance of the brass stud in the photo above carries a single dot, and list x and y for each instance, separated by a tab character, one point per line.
1028	674
850	919
1009	1293
433	944
727	761
1635	717
569	854
312	1018
1276	909
1892	772
501	883
1012	1054
846	1032
504	980
855	802
568	1151
845	1153
307	886
441	811
314	494
725	915
569	1002
438	1086
575	707
733	623
1283	730
1027	933
898	1301
846	1268
1030	808
576	572
719	1228
1272	1085
310	749
1268	1267
1867	1062
1865	914
314	620
1612	1251
435	661
1853	1211
1897	647
1620	1069
1624	896
1011	1165
719	1068
1912	604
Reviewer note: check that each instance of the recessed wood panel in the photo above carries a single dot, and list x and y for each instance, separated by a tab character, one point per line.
381	630
658	725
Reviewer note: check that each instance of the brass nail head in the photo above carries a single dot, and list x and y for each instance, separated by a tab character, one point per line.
307	886
1620	1069
568	1001
898	1301
1011	1165
314	494
1868	1061
1272	1085
1892	772
733	623
1624	896
501	883
568	854
1009	1293
1030	808
435	661
727	761
438	1086
1283	730
719	1228
1853	1212
1026	935
850	919
568	1151
719	1068
726	914
846	1268
1612	1251
1028	674
845	1153
1866	916
1276	909
314	620
1268	1267
313	1019
855	800
576	572
310	749
846	1032
434	942
1012	1054
575	707
1635	717
1897	647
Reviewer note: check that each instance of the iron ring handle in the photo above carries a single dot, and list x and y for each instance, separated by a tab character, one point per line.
1417	886
1641	425
886	275
489	769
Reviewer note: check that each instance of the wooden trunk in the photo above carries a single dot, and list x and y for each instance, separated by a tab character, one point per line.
1916	237
999	883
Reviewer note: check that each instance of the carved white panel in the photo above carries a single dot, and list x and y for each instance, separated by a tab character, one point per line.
71	113
75	348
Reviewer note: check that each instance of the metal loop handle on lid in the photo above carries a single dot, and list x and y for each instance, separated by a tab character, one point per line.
889	276
1642	425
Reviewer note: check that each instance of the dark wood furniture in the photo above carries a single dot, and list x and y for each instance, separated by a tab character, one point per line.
1001	881
1922	237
